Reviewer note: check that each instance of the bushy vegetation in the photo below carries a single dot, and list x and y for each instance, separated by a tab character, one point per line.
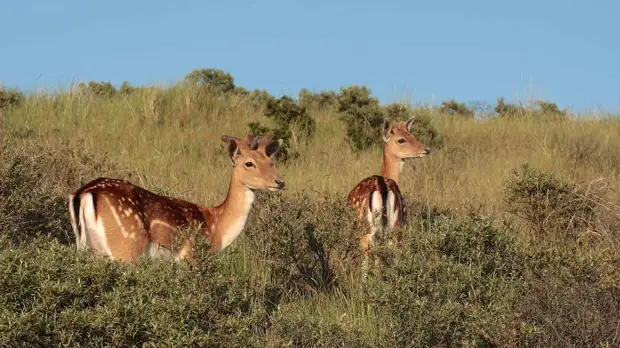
10	97
494	253
454	108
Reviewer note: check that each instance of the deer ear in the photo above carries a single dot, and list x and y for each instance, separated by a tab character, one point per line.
233	148
273	147
409	123
385	130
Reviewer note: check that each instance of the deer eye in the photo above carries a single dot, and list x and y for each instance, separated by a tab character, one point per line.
249	164
401	141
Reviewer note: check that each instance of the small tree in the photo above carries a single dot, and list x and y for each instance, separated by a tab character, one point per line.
212	78
287	114
126	88
319	101
454	108
362	116
99	89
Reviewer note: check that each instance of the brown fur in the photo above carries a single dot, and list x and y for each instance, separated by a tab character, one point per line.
134	218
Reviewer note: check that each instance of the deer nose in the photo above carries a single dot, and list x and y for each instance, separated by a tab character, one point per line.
427	151
281	184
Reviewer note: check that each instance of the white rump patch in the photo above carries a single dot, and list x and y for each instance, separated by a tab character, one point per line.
93	232
392	209
374	215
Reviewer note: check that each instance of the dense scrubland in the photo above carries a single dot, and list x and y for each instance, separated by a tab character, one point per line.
512	236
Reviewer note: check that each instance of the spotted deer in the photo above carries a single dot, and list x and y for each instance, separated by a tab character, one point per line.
120	220
377	199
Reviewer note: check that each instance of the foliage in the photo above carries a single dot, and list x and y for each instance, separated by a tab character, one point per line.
318	101
454	108
215	79
126	88
310	243
455	284
362	116
540	109
10	98
549	205
54	295
98	89
287	114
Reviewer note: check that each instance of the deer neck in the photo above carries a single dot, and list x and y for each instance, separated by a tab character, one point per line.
392	166
229	218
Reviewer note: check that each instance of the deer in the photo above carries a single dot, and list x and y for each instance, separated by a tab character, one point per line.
120	220
377	200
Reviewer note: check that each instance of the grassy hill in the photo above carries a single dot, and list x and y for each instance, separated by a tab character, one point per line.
512	237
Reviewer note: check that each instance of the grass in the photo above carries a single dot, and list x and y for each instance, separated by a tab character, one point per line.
470	274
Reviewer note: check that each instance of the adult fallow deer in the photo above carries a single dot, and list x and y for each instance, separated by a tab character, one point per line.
377	199
118	219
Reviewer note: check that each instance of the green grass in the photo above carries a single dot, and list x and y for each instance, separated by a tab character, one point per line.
470	273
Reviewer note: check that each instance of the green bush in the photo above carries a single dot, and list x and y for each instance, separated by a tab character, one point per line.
548	205
318	101
572	299
10	98
215	79
362	116
98	89
453	283
287	114
54	295
454	108
508	110
540	109
126	88
310	242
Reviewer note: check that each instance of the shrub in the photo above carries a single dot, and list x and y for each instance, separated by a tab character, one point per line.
454	108
550	110
508	110
126	88
310	243
573	298
10	98
362	116
540	109
34	189
319	101
286	152
549	205
456	283
215	79
98	89
287	114
54	295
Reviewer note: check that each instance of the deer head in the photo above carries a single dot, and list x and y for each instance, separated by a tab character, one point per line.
252	161
400	142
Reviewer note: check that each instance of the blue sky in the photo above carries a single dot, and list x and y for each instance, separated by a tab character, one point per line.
564	51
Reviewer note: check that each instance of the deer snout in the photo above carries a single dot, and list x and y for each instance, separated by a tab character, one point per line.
427	151
280	184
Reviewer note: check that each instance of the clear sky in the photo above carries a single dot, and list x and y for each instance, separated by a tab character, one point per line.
562	50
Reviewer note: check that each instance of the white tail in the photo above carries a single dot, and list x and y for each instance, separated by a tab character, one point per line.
118	219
